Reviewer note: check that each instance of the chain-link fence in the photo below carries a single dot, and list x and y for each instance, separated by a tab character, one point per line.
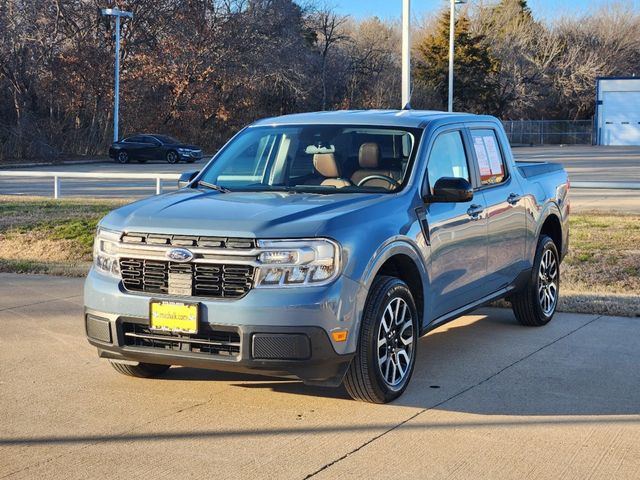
549	132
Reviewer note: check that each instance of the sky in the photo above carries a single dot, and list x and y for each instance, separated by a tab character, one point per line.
542	9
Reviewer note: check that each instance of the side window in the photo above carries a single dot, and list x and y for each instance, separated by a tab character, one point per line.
490	161
447	158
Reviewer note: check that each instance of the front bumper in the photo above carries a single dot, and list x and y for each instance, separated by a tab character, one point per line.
269	324
190	156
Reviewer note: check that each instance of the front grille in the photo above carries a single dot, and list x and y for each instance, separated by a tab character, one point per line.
206	280
207	342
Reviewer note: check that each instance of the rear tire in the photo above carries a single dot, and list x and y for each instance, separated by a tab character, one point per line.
122	157
536	304
141	370
386	353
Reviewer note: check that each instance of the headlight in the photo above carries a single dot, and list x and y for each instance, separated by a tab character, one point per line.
105	247
183	150
291	263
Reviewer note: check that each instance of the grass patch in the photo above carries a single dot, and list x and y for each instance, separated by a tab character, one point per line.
604	255
48	236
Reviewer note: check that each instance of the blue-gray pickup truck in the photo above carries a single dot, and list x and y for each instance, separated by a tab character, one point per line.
323	245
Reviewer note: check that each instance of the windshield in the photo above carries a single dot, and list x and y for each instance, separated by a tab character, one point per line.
318	158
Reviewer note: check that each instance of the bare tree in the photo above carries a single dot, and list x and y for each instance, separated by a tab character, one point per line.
327	27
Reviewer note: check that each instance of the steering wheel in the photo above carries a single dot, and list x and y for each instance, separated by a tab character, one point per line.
392	181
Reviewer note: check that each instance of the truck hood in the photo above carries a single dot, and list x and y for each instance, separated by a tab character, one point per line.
237	214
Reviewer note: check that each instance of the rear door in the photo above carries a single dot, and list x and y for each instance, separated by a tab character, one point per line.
505	208
457	231
135	147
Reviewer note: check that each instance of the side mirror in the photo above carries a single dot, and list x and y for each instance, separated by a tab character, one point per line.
451	190
186	177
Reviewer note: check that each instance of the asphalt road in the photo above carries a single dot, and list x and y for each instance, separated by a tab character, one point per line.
589	164
489	399
584	163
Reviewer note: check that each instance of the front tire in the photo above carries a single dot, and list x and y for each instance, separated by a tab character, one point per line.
141	370
172	157
536	304
386	353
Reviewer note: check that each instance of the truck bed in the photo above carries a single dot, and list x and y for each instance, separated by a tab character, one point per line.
532	169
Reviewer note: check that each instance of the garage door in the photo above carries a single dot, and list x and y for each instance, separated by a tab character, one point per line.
621	118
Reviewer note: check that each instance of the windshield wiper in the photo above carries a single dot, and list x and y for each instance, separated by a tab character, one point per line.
213	186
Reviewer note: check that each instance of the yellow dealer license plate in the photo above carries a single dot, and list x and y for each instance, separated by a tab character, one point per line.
176	317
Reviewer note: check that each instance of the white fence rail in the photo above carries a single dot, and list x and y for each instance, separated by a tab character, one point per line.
159	177
57	176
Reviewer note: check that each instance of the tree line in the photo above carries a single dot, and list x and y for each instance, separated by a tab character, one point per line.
201	69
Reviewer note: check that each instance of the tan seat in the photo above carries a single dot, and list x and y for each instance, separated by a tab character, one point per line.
369	161
326	165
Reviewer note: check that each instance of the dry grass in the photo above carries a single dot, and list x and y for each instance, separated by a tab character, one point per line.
601	274
47	236
604	255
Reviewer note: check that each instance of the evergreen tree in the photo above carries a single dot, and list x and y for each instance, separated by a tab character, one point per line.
475	67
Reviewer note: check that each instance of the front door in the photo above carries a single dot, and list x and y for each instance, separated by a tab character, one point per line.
457	231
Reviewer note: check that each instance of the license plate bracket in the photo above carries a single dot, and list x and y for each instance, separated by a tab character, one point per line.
174	317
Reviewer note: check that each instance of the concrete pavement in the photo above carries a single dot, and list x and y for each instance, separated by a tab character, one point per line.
489	399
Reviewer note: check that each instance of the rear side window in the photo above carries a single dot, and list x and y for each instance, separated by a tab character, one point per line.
490	160
447	158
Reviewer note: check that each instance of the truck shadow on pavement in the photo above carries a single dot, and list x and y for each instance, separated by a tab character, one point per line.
487	364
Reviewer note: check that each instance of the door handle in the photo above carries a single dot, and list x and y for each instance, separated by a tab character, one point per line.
513	198
474	211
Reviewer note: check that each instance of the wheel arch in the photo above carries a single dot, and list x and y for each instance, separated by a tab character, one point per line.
400	259
552	227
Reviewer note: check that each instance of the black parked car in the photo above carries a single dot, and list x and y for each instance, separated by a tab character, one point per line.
153	147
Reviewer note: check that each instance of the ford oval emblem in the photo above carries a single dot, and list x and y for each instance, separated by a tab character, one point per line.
179	255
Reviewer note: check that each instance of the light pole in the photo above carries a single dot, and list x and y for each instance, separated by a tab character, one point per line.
452	36
114	12
406	53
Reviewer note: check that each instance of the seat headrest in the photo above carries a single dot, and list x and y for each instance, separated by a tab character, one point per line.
369	155
326	165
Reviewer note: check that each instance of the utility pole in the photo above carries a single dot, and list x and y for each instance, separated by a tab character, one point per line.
452	36
406	53
114	12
